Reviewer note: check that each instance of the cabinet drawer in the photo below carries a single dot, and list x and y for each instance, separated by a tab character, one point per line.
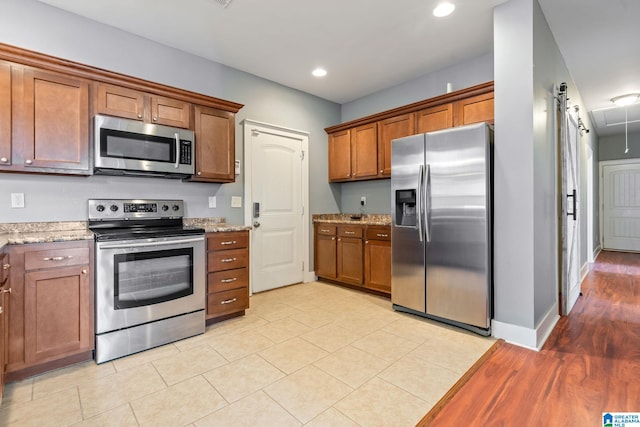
227	302
382	233
226	280
350	231
54	258
328	230
227	260
224	241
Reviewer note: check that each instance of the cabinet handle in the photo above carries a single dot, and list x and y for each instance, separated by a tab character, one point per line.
1	310
381	171
349	232
6	266
199	173
230	242
28	162
382	235
4	159
139	116
57	258
229	259
229	301
366	242
155	119
325	230
333	238
5	291
84	271
229	280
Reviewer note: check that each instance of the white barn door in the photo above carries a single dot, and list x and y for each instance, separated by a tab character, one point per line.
621	205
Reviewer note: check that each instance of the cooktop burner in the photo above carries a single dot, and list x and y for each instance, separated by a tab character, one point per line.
120	219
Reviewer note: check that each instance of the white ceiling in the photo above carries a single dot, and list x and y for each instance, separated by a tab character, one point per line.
370	45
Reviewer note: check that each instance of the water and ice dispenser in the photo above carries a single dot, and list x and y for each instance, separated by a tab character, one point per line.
406	208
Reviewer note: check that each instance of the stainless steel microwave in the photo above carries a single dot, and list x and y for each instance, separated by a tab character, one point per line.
130	147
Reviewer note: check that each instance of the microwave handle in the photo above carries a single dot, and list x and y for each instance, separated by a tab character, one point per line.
177	150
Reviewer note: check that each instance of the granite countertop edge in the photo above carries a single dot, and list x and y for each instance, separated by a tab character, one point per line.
366	219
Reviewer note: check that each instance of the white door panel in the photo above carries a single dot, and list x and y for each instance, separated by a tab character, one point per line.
277	178
621	216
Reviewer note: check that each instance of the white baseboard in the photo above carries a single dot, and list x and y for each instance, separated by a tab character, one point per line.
529	338
597	251
309	276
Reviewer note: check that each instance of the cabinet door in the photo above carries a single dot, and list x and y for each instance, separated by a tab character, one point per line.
170	112
53	121
377	265
325	256
350	260
57	313
364	151
119	101
5	114
435	118
388	130
475	109
340	156
215	145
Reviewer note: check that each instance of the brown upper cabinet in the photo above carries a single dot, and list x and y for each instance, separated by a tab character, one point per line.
132	104
46	128
353	146
215	145
47	104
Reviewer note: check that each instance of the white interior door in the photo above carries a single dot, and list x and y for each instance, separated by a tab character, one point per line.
276	205
570	215
621	206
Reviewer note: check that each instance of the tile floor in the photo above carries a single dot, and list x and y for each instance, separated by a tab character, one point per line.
311	354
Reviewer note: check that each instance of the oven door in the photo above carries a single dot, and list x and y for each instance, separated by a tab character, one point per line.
144	280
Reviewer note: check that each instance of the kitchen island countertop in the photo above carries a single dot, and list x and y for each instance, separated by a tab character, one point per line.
366	219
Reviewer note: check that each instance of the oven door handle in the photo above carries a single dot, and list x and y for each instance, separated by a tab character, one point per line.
138	245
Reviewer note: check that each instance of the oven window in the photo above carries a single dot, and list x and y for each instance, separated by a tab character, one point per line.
147	278
125	145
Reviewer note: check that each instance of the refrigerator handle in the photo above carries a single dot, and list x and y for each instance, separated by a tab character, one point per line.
427	203
419	201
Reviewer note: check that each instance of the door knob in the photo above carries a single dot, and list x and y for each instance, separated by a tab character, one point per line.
256	224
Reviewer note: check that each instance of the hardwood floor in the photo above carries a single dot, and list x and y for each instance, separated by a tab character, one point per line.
589	365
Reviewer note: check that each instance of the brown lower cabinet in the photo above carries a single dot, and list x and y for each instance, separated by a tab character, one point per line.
227	275
357	255
5	291
52	307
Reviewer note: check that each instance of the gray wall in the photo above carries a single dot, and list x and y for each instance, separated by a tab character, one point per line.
378	192
39	27
612	147
527	64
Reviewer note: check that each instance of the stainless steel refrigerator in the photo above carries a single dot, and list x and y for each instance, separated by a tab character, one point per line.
441	226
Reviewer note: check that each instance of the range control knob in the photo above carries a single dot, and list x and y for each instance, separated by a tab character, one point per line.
100	208
113	208
176	207
165	208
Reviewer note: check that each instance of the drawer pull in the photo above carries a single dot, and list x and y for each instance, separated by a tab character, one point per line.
228	259
382	235
229	301
229	280
231	242
6	266
5	291
349	232
57	258
324	230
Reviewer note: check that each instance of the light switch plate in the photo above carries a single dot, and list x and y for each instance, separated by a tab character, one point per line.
17	200
236	201
212	201
237	167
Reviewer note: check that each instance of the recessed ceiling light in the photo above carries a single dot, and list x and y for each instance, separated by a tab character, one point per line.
443	9
624	100
319	72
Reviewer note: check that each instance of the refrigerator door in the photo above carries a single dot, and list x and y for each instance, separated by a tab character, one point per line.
407	224
458	264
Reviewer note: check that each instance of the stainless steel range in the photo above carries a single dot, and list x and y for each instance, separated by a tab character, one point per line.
150	275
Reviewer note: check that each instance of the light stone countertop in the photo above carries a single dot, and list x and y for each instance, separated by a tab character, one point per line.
367	219
214	225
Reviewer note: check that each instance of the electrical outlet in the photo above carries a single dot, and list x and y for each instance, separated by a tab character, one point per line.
236	201
212	201
17	200
363	200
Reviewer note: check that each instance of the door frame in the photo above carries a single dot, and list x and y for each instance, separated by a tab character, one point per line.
249	126
601	165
